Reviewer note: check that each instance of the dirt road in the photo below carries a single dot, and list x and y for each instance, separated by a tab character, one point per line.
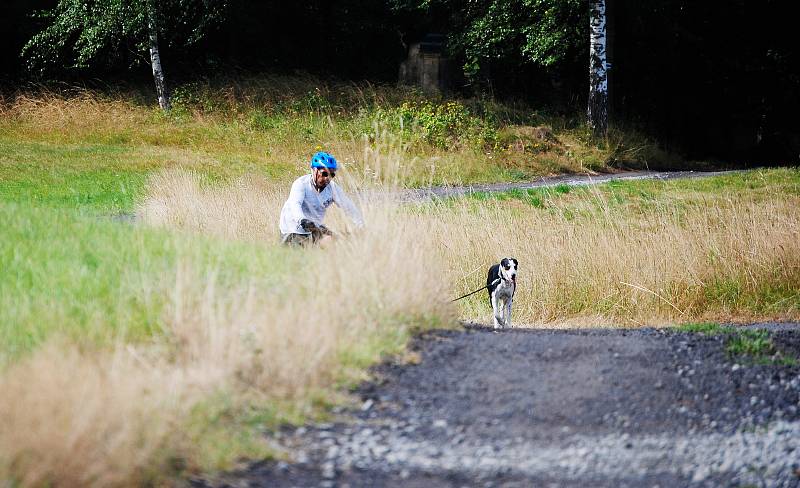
524	408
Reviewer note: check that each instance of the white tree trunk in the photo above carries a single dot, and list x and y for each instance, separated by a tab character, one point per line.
155	61
598	67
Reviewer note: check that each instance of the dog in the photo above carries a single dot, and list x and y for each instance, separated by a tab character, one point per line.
502	283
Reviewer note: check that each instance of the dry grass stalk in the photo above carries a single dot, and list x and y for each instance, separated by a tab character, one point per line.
246	209
73	418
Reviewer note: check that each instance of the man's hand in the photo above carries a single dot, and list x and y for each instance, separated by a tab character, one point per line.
307	225
310	226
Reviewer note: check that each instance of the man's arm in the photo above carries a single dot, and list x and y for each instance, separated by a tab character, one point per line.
350	208
294	204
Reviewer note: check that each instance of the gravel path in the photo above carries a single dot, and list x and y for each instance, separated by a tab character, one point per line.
523	408
553	181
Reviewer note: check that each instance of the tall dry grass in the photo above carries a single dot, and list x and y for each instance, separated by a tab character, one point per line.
256	127
74	415
82	111
608	265
70	417
585	260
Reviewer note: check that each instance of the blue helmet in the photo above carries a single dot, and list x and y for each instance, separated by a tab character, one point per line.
323	160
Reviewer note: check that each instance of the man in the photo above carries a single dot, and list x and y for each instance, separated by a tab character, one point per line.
311	195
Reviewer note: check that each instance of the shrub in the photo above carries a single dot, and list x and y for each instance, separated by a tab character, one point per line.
445	125
192	98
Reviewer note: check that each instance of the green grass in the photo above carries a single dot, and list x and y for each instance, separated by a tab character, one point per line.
638	196
105	177
535	197
704	328
227	432
753	345
758	347
98	177
91	278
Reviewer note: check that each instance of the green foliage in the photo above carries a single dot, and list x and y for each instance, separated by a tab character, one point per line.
444	125
757	345
558	31
546	33
82	33
753	344
535	197
191	97
705	328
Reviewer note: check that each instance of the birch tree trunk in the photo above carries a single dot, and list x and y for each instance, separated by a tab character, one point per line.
598	75
155	59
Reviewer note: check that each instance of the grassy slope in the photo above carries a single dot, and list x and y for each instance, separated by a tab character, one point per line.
270	126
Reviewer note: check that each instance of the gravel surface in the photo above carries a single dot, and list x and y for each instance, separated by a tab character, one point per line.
516	408
552	181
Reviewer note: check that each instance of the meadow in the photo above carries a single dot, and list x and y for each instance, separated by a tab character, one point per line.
152	326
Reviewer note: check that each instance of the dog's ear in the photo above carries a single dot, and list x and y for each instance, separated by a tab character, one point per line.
516	263
504	263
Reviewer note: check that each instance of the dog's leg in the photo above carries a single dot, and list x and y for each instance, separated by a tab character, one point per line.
496	310
508	311
501	309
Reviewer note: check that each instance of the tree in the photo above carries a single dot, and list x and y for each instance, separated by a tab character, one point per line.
155	57
84	33
544	33
598	70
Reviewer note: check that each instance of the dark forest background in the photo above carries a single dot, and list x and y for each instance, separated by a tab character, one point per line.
712	79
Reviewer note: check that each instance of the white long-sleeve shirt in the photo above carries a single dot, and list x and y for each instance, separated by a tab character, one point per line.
305	202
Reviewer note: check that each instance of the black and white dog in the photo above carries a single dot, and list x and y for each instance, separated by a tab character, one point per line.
502	283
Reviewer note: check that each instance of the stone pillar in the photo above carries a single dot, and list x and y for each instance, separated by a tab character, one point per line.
430	73
426	65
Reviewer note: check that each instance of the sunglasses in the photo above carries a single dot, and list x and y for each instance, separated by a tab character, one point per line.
324	173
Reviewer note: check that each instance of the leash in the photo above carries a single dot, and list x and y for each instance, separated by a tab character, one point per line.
476	291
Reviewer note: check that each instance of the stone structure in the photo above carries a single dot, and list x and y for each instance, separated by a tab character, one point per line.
427	66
